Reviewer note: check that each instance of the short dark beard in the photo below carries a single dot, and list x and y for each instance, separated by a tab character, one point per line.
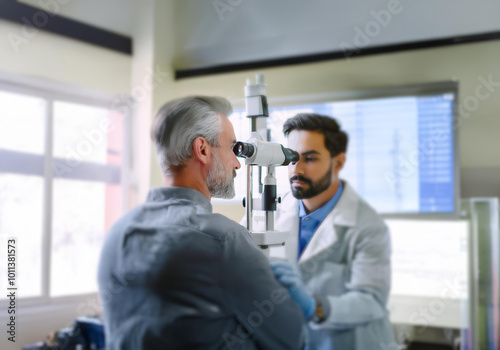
315	188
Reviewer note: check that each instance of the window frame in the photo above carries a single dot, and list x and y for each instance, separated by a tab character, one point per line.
53	92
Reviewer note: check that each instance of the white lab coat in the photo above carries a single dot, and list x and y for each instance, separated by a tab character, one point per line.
347	262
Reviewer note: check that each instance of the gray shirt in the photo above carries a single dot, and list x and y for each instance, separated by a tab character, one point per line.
174	275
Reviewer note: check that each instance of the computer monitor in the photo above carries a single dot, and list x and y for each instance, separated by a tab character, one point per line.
402	152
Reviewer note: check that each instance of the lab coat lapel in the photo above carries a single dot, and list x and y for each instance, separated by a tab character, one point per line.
324	237
344	214
288	221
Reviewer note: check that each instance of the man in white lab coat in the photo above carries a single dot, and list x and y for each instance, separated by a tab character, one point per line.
340	245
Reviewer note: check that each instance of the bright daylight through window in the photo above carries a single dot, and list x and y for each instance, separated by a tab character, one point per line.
61	178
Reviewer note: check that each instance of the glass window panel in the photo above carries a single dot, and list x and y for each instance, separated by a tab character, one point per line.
22	123
81	132
83	211
78	228
21	208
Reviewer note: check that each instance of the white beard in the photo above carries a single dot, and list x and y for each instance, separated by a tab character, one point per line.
220	183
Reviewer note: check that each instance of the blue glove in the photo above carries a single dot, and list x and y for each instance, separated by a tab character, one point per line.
288	275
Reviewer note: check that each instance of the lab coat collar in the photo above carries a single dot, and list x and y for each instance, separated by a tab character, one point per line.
344	214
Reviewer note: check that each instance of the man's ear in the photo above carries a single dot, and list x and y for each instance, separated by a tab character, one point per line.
201	150
339	162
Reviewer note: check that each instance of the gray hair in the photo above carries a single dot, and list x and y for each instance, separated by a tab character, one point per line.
179	122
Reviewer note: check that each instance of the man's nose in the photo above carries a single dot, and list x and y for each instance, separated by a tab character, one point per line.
297	168
237	164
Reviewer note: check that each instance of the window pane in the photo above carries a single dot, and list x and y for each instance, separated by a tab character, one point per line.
22	123
21	206
81	132
87	192
78	227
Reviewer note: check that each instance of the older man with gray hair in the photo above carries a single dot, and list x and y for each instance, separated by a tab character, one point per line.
174	275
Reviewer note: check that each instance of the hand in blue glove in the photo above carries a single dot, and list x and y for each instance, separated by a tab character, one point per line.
288	275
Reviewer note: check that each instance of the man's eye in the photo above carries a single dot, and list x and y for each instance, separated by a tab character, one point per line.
310	159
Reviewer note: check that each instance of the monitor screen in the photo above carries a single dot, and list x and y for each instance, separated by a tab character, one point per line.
401	155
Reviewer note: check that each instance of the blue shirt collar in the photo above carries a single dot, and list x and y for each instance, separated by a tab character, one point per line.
321	213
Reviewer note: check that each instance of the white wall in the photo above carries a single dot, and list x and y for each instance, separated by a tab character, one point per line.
153	52
57	58
52	59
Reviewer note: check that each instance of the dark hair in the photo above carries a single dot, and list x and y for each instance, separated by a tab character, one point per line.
335	138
